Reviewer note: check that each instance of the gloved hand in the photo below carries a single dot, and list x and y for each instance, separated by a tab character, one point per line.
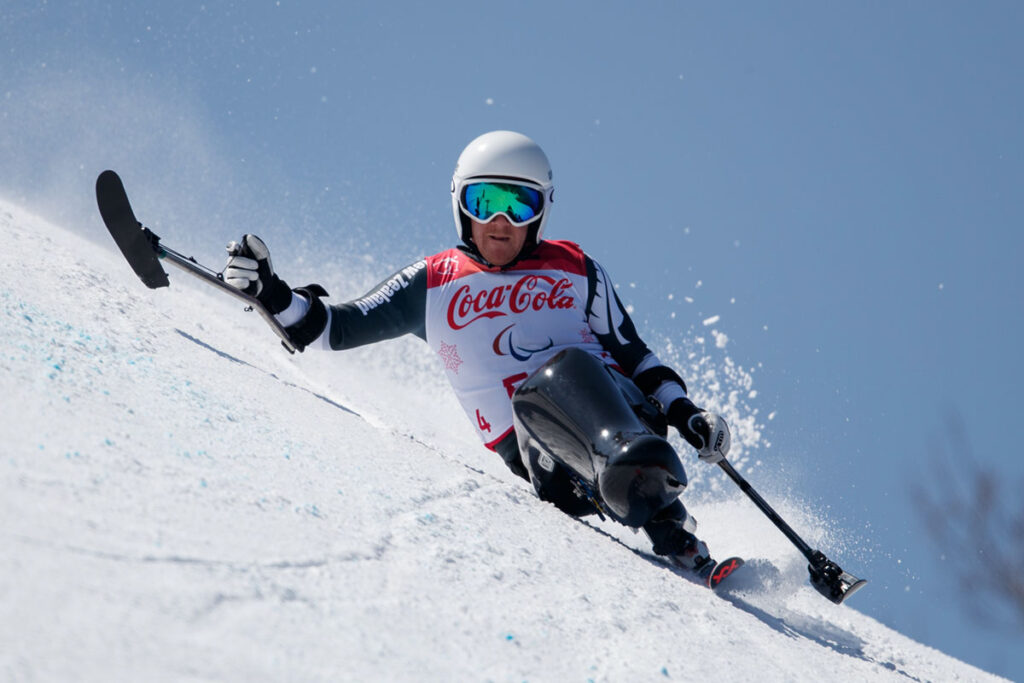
707	432
249	269
712	432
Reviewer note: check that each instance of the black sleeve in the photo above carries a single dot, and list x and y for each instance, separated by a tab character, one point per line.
610	322
392	308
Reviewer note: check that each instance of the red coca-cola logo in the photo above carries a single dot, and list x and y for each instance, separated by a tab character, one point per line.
530	292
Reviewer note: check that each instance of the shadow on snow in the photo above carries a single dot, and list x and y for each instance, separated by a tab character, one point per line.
228	356
759	577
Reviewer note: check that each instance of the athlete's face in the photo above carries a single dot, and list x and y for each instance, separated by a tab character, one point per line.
498	241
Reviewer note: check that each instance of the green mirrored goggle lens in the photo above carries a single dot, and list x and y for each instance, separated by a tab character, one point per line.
520	203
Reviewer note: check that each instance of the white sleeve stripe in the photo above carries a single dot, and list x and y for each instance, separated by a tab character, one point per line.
324	340
649	361
668	392
295	312
614	319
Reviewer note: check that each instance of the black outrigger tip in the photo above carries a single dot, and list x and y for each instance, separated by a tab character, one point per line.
139	245
145	253
829	579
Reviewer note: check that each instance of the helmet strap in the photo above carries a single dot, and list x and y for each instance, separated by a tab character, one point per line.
466	230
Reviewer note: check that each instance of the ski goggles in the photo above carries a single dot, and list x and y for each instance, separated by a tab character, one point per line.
484	200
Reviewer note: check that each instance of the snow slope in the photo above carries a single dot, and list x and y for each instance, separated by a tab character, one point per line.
182	500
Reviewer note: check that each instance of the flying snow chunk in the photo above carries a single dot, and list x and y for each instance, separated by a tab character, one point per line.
712	320
721	339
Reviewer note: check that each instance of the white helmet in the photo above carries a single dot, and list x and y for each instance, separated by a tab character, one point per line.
503	155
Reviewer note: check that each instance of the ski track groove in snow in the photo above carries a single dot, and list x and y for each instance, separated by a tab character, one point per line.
183	500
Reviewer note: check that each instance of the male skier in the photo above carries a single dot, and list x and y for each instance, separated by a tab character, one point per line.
496	309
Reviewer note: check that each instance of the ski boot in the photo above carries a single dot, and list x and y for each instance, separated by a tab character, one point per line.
671	534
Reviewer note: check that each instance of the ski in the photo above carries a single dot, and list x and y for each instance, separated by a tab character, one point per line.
710	577
722	571
144	252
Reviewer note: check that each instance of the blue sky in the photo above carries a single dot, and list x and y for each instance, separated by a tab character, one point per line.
839	182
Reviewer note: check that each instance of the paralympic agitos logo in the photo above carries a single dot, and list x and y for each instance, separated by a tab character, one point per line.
530	292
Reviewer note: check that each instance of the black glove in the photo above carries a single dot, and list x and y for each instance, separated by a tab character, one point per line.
249	269
707	432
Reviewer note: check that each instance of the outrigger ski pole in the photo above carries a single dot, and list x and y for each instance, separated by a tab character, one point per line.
827	577
144	251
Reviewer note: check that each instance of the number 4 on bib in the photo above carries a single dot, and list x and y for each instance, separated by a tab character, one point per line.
483	424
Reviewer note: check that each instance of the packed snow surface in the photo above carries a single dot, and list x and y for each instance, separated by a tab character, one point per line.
180	499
